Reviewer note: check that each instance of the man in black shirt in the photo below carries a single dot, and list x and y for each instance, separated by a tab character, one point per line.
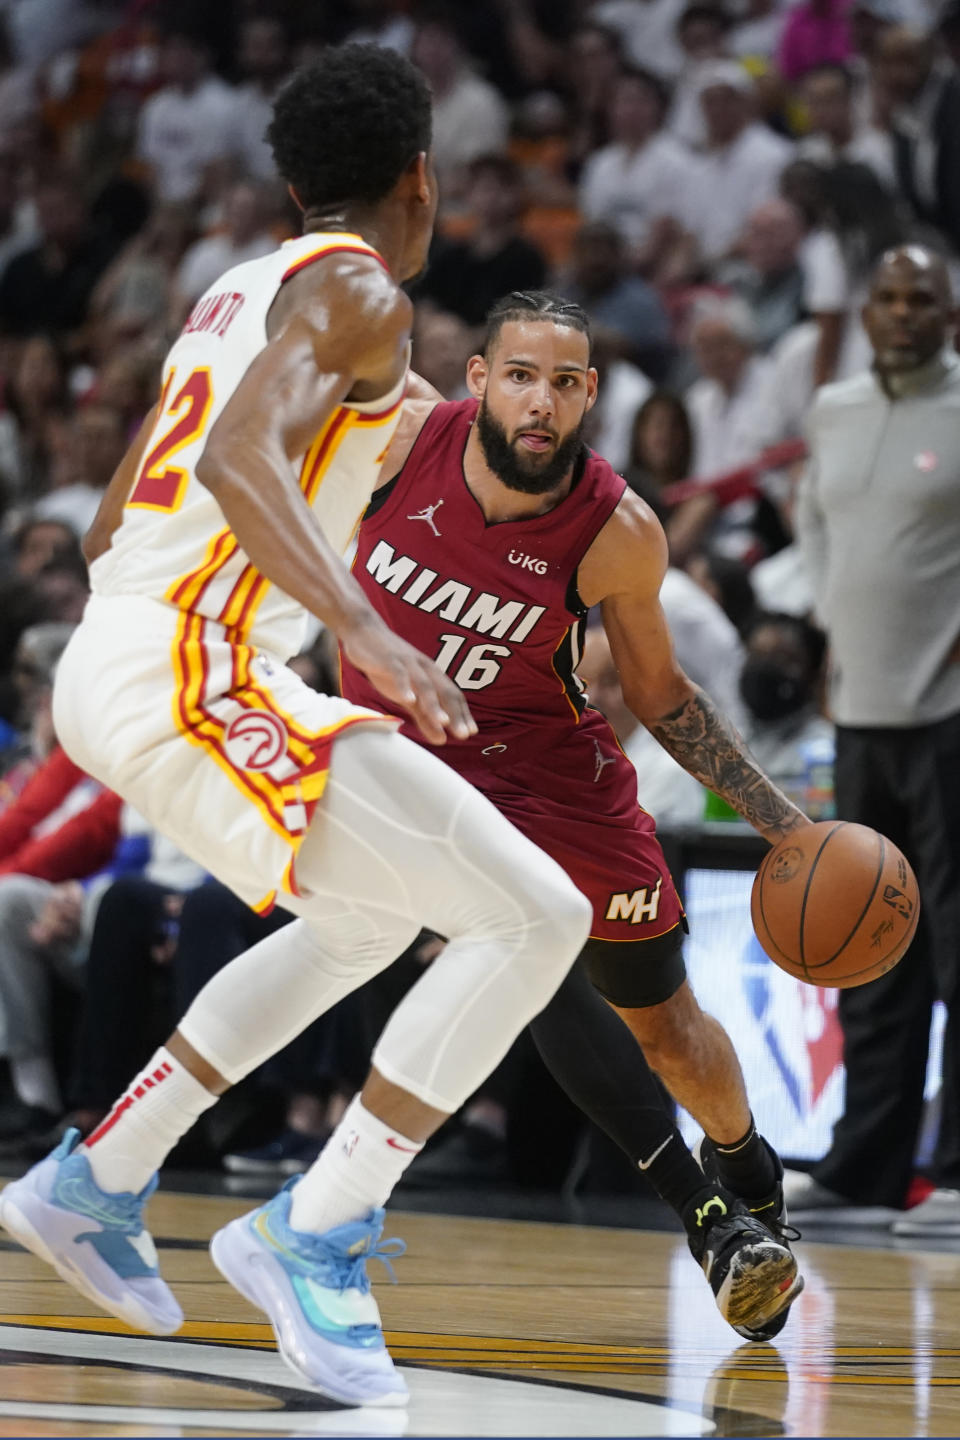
49	287
466	277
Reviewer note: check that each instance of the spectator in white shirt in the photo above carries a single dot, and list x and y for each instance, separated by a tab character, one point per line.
757	33
622	390
641	175
723	406
769	276
859	220
244	237
827	93
742	163
263	56
188	125
648	32
470	117
96	441
702	34
721	402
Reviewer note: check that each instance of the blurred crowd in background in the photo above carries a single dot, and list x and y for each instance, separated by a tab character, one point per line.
712	181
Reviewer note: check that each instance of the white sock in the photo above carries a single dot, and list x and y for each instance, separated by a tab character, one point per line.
354	1173
35	1082
158	1108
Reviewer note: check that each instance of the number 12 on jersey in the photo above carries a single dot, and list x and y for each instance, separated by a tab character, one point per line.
477	669
159	485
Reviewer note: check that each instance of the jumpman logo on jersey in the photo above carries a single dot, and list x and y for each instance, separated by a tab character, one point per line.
427	513
602	760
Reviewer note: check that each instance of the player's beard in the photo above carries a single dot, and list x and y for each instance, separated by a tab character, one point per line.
530	473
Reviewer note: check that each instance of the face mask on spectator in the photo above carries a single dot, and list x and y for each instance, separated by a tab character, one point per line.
771	689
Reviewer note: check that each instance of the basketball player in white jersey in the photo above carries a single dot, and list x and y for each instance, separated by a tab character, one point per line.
223	526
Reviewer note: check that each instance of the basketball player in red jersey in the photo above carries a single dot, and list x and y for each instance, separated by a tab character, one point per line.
491	534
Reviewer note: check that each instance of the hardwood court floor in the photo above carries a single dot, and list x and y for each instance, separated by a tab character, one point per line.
509	1328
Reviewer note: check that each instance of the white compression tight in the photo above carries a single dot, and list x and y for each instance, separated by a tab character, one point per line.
400	841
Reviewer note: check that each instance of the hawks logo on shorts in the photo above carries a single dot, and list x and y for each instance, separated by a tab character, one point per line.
255	740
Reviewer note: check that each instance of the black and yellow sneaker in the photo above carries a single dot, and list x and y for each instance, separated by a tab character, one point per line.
771	1211
752	1274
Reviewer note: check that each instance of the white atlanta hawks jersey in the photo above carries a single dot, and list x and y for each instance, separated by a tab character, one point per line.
173	543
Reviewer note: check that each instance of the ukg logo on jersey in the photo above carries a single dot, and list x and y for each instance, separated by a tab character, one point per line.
527	562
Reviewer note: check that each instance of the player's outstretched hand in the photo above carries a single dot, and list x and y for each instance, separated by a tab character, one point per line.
411	680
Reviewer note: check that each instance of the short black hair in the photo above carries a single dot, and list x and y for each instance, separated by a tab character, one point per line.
346	127
809	636
699	10
543	305
658	88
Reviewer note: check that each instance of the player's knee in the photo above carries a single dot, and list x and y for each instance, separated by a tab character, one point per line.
671	1034
558	935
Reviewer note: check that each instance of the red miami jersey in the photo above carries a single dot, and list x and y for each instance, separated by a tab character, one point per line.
497	607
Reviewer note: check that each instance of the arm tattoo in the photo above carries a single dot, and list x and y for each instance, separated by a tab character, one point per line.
708	746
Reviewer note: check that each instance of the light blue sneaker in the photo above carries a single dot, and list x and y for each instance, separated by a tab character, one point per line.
95	1240
316	1293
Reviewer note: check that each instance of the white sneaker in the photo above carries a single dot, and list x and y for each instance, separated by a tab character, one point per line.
802	1192
316	1293
95	1240
938	1215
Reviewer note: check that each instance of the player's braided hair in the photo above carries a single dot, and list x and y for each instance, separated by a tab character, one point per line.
533	305
345	127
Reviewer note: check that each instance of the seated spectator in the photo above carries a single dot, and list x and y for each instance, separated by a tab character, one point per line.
648	32
36	401
661	450
779	684
470	118
600	281
188	125
817	32
622	389
49	286
132	297
702	32
770	277
17	223
756	34
40	542
594	59
62	828
729	583
834	134
741	164
442	345
243	236
641	175
97	441
860	219
128	383
466	277
723	406
25	710
924	92
263	59
723	402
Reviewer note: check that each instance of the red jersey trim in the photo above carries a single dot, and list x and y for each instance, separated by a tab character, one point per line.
333	250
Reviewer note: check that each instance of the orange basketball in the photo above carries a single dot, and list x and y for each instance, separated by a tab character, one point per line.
835	904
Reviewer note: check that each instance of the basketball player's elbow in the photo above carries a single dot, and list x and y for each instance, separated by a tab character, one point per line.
214	469
654	699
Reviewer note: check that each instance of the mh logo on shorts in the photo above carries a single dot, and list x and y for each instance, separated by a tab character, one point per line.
255	740
638	906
